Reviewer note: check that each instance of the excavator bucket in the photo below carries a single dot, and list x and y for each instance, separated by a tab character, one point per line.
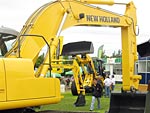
144	49
130	103
80	100
76	48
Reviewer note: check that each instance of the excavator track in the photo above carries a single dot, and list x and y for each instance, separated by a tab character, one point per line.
57	111
47	111
28	110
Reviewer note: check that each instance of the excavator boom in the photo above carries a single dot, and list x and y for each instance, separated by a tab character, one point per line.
48	21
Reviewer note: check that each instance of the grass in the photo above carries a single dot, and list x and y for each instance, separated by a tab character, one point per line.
66	103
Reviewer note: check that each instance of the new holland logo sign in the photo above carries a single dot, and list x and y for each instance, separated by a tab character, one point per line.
105	19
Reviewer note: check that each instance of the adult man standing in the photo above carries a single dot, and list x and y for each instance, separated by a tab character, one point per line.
107	83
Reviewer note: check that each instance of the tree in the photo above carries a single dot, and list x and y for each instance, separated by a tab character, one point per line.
39	61
104	55
113	54
66	62
118	54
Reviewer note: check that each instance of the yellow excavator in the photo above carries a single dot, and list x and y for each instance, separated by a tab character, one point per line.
22	87
84	68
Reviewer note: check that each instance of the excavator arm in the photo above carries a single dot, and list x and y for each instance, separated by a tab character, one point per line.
48	21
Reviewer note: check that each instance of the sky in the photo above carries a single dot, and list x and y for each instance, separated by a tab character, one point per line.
14	14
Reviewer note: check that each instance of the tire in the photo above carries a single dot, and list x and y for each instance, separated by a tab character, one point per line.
132	89
74	89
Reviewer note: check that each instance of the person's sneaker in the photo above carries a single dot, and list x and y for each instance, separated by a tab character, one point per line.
91	110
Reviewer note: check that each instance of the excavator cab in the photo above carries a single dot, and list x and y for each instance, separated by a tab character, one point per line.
7	36
98	64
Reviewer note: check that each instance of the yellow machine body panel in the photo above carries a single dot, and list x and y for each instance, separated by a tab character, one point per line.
23	88
2	82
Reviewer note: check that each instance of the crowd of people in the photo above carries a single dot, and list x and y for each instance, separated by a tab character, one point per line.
109	84
97	88
66	80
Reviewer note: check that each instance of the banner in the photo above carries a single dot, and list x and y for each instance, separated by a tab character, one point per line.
100	51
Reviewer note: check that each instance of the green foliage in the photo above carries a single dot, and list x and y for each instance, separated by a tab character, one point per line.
66	62
118	54
113	54
66	104
104	55
39	61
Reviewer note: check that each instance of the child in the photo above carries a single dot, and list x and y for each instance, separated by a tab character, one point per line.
97	92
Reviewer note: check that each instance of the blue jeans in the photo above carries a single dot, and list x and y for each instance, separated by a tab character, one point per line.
107	91
93	101
112	87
